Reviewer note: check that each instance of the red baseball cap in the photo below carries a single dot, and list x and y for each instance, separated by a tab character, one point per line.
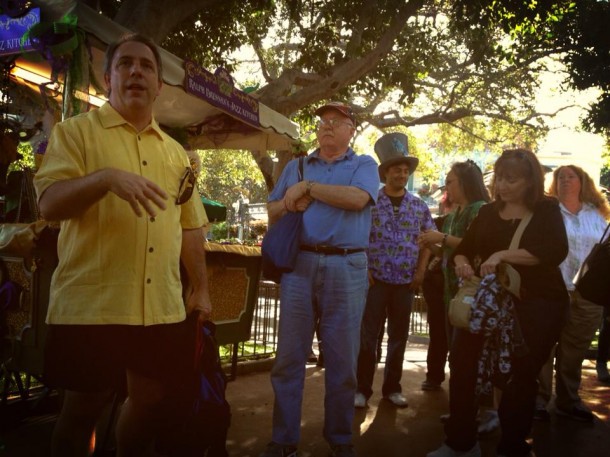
337	106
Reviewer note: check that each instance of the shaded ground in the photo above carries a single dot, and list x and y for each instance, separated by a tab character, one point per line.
380	430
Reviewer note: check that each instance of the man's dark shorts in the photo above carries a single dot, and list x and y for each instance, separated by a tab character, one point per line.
94	358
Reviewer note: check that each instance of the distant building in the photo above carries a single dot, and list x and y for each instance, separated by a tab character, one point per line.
567	147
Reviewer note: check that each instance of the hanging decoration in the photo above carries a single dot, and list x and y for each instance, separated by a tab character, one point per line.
55	41
61	43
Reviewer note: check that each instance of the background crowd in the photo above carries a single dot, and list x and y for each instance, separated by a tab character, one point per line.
540	235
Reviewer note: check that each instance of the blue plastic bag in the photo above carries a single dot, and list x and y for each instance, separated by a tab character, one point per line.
281	243
206	431
280	246
201	413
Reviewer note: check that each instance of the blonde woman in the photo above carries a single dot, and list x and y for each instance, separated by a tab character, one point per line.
585	213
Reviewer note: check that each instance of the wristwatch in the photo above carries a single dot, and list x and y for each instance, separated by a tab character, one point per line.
308	188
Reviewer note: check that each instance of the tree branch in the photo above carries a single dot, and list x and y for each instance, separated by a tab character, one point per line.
287	101
364	16
257	46
393	118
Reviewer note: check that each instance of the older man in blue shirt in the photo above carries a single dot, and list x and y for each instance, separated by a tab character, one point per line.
329	280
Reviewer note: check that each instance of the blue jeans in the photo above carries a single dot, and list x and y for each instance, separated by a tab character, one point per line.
332	287
540	322
393	301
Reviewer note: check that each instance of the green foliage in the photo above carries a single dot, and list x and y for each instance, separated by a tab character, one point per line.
227	175
27	160
434	61
473	134
470	138
221	231
577	29
584	36
221	29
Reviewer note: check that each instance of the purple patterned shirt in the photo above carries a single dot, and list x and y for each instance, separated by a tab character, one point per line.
393	249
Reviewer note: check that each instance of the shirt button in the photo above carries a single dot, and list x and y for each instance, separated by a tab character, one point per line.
148	281
139	138
152	219
144	162
151	249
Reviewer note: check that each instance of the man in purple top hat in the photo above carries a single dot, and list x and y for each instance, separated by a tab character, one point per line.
396	268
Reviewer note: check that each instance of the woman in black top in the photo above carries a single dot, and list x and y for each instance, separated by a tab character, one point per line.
518	189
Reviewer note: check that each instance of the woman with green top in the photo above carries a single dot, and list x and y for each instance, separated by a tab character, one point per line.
467	192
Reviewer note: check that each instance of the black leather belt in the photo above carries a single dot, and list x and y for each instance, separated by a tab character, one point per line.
329	250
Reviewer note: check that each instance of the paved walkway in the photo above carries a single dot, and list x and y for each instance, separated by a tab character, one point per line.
379	430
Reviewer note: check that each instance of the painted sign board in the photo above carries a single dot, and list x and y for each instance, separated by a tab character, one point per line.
12	29
218	90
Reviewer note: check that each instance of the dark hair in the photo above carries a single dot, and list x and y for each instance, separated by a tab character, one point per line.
522	163
137	38
470	177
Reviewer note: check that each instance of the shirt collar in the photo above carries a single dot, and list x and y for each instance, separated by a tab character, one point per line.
586	207
315	155
110	117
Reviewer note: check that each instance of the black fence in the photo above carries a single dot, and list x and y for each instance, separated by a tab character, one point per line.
261	345
263	339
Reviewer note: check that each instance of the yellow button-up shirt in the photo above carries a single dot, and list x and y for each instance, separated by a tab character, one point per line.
115	267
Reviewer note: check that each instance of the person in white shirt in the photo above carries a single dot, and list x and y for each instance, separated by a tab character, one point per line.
585	214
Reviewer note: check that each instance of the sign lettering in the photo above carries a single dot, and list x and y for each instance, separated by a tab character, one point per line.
217	89
12	29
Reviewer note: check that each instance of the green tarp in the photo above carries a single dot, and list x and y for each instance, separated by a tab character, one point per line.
216	212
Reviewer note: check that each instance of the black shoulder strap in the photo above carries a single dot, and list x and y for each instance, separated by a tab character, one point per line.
601	240
301	159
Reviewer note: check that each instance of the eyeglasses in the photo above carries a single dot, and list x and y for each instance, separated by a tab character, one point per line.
187	184
332	123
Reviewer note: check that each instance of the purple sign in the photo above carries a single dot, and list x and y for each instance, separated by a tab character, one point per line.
218	90
12	29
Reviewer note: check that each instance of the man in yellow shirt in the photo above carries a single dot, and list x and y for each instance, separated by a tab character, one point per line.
123	192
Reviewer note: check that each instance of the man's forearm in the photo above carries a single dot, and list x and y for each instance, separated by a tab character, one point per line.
192	255
193	259
345	197
72	197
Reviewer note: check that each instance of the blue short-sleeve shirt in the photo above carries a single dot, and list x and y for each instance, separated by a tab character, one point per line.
329	225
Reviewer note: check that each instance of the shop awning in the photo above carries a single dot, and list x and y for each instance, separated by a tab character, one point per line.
216	211
214	126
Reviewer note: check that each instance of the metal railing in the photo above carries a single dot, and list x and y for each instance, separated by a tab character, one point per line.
263	338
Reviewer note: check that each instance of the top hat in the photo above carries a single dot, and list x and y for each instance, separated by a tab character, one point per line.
393	149
344	109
